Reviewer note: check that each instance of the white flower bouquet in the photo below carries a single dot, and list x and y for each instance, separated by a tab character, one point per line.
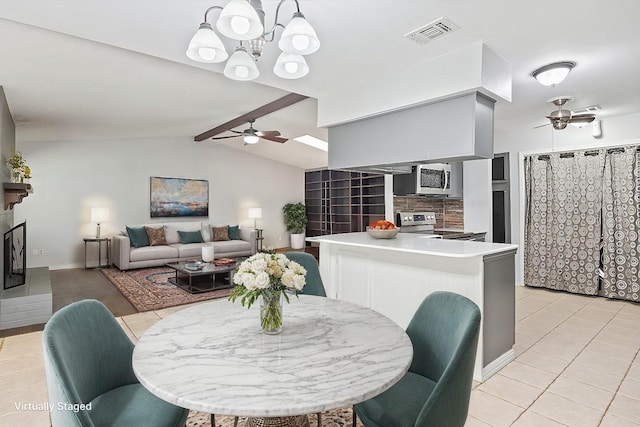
270	276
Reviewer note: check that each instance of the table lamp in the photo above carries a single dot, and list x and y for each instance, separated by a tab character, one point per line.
255	213
99	215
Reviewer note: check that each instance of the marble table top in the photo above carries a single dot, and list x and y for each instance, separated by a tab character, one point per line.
213	358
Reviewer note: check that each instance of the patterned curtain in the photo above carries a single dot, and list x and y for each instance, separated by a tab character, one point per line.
562	223
621	224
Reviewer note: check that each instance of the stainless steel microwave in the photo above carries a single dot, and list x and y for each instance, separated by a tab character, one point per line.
434	178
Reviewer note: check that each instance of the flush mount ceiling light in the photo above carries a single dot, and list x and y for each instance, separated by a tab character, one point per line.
243	21
552	74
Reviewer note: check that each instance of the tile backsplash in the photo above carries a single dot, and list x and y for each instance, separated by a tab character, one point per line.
449	212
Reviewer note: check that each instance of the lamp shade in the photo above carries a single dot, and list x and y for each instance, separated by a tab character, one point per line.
239	20
255	213
299	37
99	214
552	74
291	66
241	66
206	46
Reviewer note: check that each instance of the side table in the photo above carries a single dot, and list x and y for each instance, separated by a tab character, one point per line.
99	241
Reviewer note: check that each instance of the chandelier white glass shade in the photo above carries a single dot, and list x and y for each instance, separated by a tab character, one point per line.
299	37
243	20
206	46
239	21
241	66
291	66
552	74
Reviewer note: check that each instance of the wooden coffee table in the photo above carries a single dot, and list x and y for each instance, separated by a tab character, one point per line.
203	280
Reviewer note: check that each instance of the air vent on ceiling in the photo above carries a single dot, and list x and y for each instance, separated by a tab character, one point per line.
586	110
433	30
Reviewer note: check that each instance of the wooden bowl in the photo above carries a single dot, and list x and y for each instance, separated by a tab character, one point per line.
382	234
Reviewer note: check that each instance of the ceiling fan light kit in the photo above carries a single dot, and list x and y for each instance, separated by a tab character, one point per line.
560	118
251	139
243	20
552	74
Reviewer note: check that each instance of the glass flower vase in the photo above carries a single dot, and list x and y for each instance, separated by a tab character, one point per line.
271	313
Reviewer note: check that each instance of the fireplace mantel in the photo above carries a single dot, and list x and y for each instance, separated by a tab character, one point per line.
14	193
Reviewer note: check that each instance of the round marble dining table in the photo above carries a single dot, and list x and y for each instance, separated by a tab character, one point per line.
213	358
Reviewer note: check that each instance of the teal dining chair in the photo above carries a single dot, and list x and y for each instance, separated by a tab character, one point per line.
435	392
314	284
90	380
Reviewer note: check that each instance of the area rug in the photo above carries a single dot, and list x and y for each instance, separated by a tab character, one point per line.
335	418
149	288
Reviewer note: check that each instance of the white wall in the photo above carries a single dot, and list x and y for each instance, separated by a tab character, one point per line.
71	177
7	149
615	131
477	201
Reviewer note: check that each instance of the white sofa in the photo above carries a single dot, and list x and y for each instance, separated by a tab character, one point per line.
126	257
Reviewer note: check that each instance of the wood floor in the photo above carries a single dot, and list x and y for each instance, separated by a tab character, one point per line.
76	284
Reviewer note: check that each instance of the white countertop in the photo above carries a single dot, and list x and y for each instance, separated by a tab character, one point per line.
214	358
417	243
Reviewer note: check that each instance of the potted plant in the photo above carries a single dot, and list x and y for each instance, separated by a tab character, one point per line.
18	165
295	220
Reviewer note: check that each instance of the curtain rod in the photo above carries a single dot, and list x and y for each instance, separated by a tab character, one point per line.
569	155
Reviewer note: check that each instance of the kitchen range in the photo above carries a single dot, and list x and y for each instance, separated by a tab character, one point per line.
424	223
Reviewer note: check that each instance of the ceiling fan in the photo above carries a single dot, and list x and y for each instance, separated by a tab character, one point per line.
560	118
251	116
252	136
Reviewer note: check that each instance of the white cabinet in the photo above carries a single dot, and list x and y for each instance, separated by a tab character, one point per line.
393	278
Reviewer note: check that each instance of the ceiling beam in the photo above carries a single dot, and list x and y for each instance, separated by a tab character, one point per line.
269	108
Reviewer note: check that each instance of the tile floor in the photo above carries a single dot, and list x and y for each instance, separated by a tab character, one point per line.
576	364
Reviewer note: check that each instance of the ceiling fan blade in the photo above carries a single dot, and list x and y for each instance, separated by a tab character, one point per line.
276	105
263	133
236	131
584	118
225	137
541	126
275	139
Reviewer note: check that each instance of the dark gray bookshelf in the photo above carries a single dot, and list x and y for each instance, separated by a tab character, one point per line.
342	201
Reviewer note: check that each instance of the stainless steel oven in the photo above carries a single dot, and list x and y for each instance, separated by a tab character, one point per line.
417	222
424	223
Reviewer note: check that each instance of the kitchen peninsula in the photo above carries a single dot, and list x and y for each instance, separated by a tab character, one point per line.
393	276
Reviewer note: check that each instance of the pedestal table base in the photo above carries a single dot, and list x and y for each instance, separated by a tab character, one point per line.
298	421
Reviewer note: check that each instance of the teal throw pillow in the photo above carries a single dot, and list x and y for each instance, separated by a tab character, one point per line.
234	233
190	236
138	237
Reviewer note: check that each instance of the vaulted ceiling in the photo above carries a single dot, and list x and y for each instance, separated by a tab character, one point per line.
86	70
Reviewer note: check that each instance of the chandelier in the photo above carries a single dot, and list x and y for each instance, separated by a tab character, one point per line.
243	21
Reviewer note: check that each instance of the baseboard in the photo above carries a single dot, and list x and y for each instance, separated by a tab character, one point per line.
497	364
